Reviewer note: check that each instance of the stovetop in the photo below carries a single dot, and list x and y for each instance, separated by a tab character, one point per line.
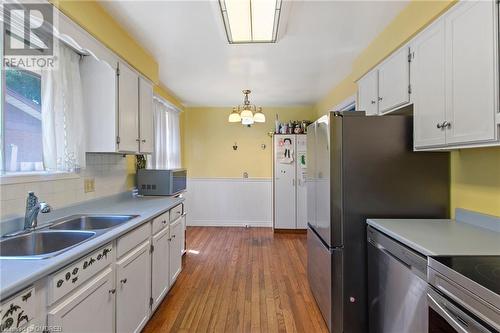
484	270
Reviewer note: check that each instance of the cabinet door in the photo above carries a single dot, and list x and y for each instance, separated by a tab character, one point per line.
285	156
368	93
175	250
471	71
394	81
90	309
183	234
146	116
128	109
133	289
428	86
160	277
301	175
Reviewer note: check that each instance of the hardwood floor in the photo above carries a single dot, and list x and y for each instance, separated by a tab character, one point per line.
240	280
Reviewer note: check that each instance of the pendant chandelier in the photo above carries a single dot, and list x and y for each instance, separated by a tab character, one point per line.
247	113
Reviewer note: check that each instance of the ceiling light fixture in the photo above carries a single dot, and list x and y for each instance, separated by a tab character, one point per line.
247	113
251	21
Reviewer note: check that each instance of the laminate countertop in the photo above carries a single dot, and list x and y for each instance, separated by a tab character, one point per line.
442	237
17	274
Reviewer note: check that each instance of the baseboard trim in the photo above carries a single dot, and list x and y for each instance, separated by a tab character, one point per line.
228	223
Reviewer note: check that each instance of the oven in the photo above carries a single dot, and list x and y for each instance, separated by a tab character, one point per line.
456	302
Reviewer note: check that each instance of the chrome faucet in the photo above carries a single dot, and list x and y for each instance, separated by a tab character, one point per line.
33	207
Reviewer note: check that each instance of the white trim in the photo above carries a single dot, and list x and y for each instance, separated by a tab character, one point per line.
229	223
345	104
32	177
163	101
229	179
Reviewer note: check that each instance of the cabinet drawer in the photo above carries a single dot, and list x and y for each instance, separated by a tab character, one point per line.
132	239
160	222
18	311
176	212
75	274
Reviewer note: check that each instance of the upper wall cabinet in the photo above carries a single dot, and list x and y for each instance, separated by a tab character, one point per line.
455	78
368	93
119	105
145	116
394	81
387	87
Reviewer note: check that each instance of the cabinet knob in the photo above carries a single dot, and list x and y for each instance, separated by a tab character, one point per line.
380	98
123	280
112	291
373	102
173	236
446	124
143	140
164	222
138	140
439	126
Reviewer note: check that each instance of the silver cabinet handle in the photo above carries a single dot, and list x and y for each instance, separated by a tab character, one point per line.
380	98
123	280
439	126
112	291
173	236
164	222
373	102
441	310
143	140
446	124
138	140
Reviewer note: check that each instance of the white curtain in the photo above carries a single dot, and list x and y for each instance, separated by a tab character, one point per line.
62	114
167	152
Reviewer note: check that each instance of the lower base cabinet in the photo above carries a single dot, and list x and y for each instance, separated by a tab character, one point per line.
176	241
88	310
160	277
133	289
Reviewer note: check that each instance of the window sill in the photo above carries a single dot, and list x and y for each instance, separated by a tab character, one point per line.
30	177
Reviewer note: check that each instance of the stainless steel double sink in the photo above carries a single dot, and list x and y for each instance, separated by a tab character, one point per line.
59	236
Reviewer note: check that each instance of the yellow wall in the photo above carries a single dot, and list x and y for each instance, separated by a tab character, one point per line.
475	173
209	139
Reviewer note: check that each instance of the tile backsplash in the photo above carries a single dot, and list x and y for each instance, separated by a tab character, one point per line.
113	173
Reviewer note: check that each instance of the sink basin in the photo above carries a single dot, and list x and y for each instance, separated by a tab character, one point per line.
91	222
41	244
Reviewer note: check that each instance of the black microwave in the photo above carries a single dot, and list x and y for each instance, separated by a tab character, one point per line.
161	181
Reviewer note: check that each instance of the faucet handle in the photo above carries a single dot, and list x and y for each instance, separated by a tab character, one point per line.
45	207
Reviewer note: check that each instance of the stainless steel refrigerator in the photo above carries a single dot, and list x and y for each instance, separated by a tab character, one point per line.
361	167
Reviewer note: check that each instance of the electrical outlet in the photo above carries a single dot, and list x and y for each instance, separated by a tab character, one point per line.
89	185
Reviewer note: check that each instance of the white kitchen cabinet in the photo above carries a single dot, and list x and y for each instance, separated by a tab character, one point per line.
146	132
368	93
160	277
133	289
455	78
394	81
128	109
471	72
428	81
89	309
175	249
289	187
183	233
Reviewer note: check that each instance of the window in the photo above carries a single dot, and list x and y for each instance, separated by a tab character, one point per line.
22	122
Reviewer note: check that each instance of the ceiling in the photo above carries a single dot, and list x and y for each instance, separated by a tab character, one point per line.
317	43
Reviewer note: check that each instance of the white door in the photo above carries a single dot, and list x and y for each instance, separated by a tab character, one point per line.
175	249
301	175
394	81
128	109
428	86
145	116
160	266
471	71
88	310
133	289
285	156
368	93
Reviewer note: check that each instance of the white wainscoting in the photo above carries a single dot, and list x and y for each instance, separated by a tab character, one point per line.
229	202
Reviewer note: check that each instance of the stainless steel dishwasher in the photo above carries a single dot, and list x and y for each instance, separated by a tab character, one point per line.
397	286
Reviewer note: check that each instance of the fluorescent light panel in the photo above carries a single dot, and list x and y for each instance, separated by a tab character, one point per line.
251	21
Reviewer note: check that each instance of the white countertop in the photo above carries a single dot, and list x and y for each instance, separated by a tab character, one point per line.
16	275
440	237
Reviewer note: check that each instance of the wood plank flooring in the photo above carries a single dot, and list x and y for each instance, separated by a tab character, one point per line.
240	280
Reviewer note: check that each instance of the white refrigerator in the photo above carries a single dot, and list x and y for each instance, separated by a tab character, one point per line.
289	186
